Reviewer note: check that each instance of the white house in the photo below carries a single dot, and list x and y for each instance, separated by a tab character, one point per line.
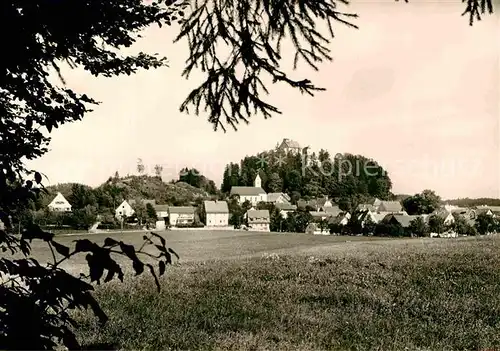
161	211
60	204
124	210
324	203
285	209
253	194
181	215
258	220
216	213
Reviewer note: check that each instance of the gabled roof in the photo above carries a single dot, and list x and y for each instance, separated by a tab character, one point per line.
247	191
161	208
334	210
216	207
258	216
59	198
181	209
305	203
366	207
442	213
322	200
390	206
285	207
273	197
318	214
404	220
292	144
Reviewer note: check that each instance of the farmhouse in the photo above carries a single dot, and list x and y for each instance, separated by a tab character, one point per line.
258	220
253	194
161	211
323	203
447	216
124	210
278	198
181	215
60	204
333	211
216	213
285	209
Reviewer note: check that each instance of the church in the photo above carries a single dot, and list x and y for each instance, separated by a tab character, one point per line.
254	194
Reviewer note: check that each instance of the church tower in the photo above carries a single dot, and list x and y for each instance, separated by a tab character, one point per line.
258	182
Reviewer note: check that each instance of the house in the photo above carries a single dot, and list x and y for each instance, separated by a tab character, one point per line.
181	215
60	204
285	209
366	207
484	209
323	203
445	215
341	218
258	220
253	194
161	211
390	207
162	216
372	216
316	229
333	211
403	220
278	198
216	213
495	210
124	210
319	215
288	145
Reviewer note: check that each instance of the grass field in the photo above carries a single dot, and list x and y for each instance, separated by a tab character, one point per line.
206	245
365	294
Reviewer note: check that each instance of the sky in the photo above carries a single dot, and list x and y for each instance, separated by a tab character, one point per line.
415	88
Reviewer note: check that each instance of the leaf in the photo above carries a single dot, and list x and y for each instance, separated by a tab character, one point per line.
110	242
85	245
96	267
138	266
61	249
162	267
35	232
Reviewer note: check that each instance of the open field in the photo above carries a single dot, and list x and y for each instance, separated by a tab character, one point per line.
356	293
206	245
378	295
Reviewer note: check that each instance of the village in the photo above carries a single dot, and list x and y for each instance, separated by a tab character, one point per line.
326	218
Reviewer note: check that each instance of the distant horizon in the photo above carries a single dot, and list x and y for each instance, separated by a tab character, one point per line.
415	88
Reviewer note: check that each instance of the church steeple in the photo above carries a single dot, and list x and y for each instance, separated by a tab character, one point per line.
258	182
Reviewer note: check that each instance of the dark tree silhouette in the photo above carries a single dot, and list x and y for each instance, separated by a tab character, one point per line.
41	35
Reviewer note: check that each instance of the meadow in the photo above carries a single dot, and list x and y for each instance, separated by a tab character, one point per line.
314	293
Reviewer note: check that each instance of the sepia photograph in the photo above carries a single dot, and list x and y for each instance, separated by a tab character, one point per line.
250	175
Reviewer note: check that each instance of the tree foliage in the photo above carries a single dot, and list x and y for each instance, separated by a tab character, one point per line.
348	179
424	203
238	44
